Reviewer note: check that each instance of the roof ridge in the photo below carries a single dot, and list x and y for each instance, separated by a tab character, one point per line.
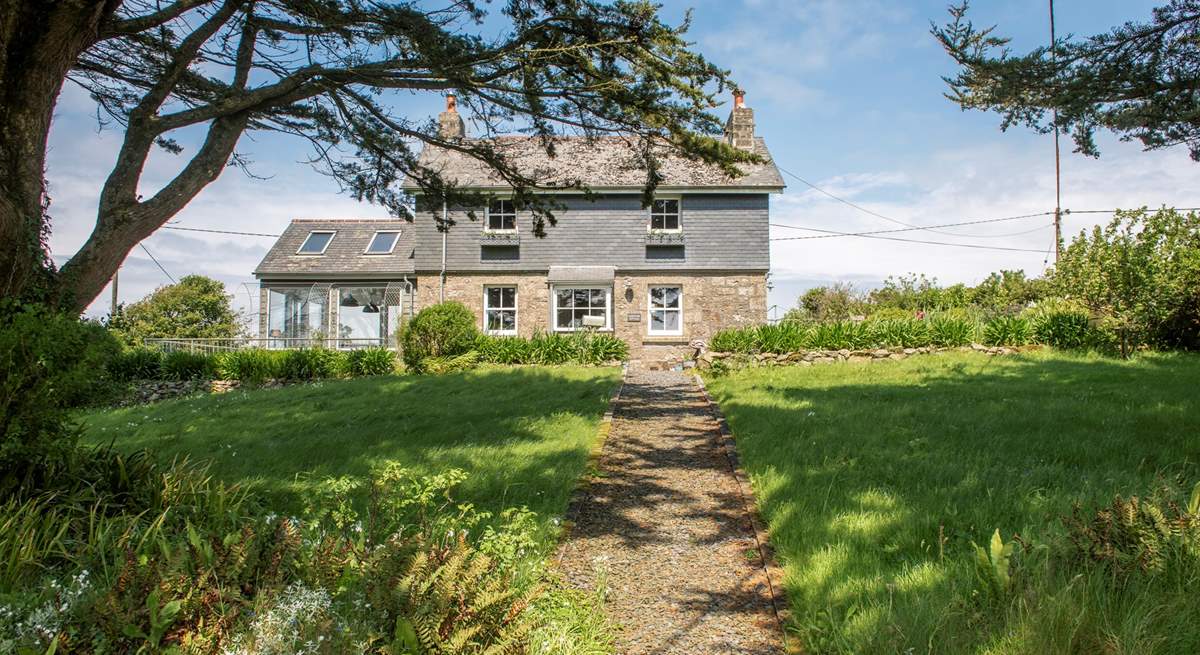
348	220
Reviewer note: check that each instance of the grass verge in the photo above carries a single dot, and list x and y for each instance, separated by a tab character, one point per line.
877	480
522	434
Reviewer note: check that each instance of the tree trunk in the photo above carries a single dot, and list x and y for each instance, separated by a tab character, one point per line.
39	42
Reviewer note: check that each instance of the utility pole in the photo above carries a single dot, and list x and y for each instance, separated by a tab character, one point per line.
113	310
1057	165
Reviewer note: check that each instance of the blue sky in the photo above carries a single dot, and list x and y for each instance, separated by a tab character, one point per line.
848	94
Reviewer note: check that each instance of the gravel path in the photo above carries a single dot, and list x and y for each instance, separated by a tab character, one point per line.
665	528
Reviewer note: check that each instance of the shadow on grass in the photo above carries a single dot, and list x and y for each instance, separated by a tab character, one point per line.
641	475
522	434
875	479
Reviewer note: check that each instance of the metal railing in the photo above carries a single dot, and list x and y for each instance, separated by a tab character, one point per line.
215	345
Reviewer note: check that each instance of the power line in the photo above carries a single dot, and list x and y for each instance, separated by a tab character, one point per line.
197	229
160	266
932	243
910	229
860	207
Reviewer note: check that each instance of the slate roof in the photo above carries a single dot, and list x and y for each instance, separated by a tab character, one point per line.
607	162
344	257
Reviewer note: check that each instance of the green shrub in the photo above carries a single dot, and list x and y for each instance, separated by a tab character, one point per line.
550	348
136	364
443	330
901	333
733	340
784	337
1007	331
504	350
371	361
1140	275
450	364
311	364
50	362
838	301
1068	330
951	331
584	347
839	335
598	348
183	365
250	365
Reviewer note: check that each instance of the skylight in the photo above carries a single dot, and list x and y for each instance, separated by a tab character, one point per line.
316	243
382	243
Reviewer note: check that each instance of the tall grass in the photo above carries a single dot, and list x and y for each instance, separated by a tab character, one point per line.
1068	329
552	348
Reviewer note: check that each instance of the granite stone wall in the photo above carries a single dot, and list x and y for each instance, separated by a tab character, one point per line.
711	302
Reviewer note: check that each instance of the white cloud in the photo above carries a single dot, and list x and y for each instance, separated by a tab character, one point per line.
775	44
960	185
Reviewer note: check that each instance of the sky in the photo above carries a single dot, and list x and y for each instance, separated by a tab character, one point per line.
847	93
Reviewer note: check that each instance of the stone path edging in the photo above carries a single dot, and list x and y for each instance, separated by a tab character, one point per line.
770	564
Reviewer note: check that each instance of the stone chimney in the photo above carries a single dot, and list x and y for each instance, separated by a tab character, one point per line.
450	124
739	129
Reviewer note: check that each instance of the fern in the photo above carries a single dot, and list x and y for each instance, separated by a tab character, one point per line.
992	565
456	600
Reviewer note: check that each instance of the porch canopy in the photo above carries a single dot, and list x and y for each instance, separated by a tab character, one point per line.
581	274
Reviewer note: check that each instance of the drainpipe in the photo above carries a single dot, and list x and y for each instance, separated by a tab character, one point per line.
445	229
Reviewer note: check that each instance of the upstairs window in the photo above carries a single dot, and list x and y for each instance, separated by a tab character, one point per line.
316	243
382	243
501	216
664	215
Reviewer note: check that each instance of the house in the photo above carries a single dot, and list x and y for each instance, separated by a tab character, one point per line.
693	263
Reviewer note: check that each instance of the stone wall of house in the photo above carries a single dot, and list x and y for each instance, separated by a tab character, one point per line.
711	302
533	296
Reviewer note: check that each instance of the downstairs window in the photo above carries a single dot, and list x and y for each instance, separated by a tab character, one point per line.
577	308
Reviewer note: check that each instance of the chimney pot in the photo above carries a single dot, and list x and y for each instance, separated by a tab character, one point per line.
450	123
739	129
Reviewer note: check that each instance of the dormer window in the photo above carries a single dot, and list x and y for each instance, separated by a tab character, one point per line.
316	243
664	215
383	243
501	216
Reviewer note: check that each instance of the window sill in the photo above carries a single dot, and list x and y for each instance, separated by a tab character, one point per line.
667	339
665	237
505	238
574	330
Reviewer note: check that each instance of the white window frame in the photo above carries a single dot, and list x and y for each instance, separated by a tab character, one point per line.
487	217
332	235
650	309
516	309
608	305
678	216
371	241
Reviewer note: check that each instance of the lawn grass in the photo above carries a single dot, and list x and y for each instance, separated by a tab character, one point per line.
876	478
522	434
